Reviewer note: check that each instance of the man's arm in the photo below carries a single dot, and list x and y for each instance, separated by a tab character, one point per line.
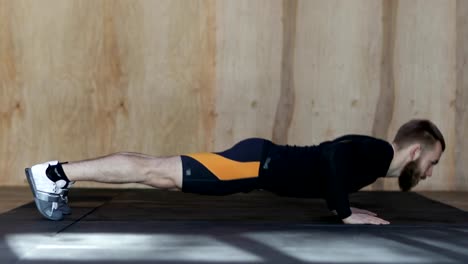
364	219
337	193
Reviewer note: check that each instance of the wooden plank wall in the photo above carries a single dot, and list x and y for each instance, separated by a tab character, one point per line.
85	78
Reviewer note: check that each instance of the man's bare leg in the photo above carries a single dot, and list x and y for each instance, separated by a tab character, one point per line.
158	172
50	181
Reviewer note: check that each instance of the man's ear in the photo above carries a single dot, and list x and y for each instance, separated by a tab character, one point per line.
415	152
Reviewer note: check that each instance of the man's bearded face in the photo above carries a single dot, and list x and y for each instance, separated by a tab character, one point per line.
410	175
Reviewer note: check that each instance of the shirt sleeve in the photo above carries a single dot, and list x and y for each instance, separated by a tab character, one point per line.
339	163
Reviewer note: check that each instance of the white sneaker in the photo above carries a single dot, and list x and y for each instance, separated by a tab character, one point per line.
50	196
63	203
42	182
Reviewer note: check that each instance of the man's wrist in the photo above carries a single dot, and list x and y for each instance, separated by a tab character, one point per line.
345	213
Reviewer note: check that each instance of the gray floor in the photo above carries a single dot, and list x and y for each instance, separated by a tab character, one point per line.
149	226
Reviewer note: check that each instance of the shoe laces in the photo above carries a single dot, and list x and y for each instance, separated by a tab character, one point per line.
64	198
55	188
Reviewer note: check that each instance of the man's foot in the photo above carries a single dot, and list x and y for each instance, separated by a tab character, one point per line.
49	186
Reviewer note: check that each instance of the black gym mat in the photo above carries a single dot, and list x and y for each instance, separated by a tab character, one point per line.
258	206
150	226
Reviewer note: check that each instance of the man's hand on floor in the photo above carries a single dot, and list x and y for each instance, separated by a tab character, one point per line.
364	218
355	210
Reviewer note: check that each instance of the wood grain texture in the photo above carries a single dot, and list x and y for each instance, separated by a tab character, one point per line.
337	64
385	104
11	103
285	108
106	76
81	79
425	79
461	98
248	69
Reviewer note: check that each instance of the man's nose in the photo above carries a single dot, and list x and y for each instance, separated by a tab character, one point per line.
429	172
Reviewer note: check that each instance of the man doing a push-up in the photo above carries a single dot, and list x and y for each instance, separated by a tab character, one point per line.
330	170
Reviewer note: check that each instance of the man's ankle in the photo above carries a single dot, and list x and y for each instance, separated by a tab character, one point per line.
56	174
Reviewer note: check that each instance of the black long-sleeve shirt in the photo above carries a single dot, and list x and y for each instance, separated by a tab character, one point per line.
331	170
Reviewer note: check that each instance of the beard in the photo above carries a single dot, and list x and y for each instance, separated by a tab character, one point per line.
410	176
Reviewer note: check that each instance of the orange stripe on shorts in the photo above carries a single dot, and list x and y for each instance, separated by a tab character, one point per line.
226	169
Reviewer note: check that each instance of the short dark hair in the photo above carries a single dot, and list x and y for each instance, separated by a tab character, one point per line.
420	131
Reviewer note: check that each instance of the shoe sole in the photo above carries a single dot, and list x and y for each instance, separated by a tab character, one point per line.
42	198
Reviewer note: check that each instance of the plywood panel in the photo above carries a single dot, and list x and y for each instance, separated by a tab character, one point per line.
248	65
336	70
12	104
424	66
461	101
106	76
285	108
85	78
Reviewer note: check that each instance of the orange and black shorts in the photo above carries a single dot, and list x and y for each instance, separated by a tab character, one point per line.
221	173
